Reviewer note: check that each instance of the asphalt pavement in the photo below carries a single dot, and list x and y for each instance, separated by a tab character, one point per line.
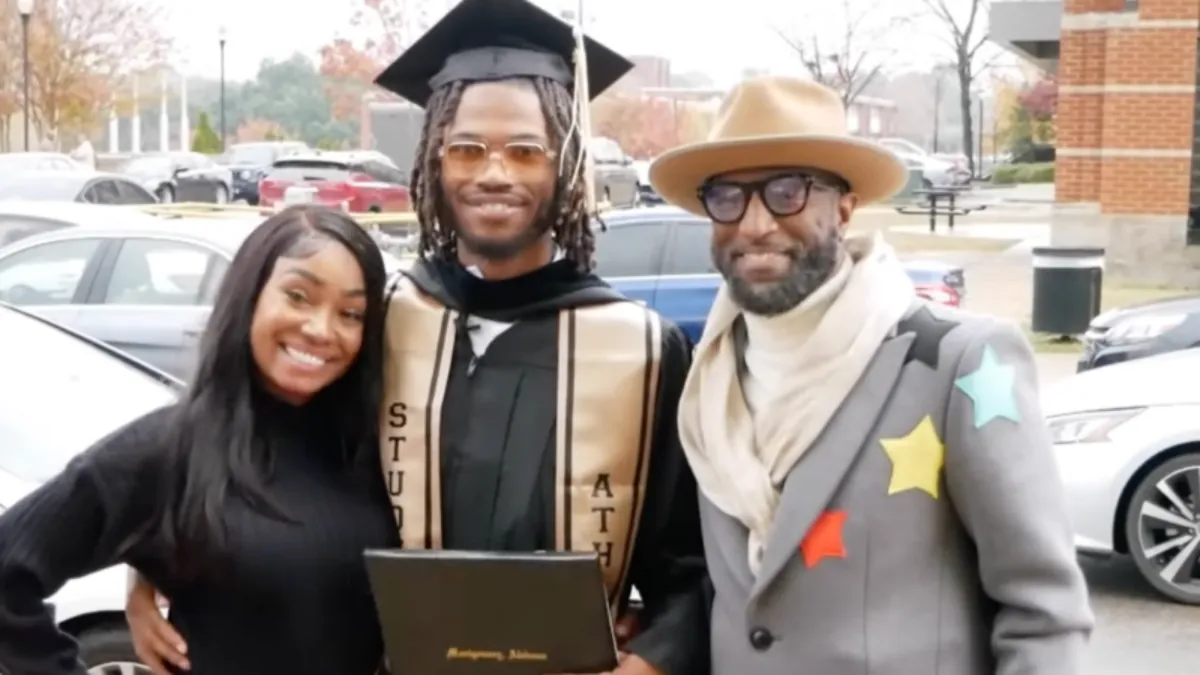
1138	633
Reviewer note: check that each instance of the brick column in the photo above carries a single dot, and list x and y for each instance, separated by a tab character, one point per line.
1125	134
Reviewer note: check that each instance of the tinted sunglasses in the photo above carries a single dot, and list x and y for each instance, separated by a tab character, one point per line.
471	157
726	201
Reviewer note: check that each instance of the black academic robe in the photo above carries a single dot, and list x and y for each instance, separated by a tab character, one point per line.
496	438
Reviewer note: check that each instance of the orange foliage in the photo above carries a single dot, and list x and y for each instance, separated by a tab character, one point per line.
79	51
349	66
645	127
255	130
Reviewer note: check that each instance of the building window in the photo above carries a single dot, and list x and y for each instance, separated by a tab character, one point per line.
852	119
1131	5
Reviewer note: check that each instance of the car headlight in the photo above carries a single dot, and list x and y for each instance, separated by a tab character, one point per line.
1089	427
1141	328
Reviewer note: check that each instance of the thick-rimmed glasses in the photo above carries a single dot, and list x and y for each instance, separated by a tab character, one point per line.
472	157
785	194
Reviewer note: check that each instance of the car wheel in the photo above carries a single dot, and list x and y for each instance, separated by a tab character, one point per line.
221	195
1162	526
166	195
108	650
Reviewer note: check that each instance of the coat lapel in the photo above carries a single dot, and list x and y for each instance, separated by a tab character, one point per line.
812	483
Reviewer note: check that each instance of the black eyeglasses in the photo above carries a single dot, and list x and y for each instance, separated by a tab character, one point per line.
784	195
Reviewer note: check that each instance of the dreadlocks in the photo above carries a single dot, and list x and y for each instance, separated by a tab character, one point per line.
571	229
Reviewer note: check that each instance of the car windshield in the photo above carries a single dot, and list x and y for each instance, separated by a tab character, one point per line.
40	187
54	407
149	166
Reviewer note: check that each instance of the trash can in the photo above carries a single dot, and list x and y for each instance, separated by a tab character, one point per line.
1066	289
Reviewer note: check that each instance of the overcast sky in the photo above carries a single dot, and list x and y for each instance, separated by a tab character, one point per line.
722	37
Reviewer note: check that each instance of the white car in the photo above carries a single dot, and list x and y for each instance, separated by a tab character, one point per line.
60	392
1127	441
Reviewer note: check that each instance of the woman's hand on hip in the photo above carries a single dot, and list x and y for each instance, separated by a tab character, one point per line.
155	640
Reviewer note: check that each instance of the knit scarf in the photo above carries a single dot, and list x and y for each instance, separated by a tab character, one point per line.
740	458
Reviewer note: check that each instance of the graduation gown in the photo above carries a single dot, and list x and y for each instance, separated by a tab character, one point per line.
560	435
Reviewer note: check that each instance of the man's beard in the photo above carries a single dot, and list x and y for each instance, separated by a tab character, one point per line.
808	270
503	249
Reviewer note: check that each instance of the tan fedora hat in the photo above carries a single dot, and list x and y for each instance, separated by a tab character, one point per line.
768	122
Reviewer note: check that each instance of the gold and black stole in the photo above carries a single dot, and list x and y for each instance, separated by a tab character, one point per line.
609	359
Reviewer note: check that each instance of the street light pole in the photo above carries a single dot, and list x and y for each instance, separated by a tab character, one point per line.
25	8
221	40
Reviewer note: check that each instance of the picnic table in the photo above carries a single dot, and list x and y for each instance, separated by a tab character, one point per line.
928	204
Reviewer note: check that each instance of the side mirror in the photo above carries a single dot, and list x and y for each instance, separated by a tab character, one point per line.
626	160
179	171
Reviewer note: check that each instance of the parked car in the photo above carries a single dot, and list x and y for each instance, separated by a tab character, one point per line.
71	185
24	161
616	178
936	172
647	196
1138	331
181	177
662	257
1127	442
140	283
340	180
60	393
249	161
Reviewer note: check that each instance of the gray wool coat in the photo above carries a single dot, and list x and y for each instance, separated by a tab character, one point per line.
925	532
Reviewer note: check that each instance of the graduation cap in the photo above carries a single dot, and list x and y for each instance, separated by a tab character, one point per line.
482	40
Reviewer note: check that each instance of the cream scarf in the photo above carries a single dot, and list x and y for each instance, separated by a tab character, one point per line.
801	366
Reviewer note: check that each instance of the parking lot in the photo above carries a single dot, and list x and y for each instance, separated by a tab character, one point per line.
1137	631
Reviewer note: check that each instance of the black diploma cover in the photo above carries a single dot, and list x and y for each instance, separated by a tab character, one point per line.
467	613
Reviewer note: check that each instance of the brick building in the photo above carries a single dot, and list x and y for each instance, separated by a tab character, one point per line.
1127	172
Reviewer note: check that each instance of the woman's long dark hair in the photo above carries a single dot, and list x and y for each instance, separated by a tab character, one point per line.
215	451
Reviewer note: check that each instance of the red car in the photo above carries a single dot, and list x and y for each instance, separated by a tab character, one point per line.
937	282
341	180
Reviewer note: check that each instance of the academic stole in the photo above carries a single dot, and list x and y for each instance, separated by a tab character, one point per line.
609	366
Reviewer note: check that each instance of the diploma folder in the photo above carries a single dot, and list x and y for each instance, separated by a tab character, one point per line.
485	613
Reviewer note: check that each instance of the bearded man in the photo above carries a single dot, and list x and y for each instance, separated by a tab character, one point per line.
878	490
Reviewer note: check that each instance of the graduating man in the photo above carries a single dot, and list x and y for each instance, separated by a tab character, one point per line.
528	406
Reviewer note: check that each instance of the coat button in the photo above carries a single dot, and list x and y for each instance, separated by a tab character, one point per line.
761	639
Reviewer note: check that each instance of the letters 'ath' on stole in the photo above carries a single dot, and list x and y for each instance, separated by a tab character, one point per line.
609	359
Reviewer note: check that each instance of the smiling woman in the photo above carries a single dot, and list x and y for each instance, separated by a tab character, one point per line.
249	502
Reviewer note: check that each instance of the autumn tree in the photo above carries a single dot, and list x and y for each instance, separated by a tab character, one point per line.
255	129
79	49
382	30
644	127
851	54
961	28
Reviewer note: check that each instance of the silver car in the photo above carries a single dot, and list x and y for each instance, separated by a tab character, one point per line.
140	283
59	394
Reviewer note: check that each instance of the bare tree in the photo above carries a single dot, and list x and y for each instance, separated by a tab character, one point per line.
850	56
80	50
964	34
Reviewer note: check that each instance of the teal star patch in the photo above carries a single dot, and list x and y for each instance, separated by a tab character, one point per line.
991	390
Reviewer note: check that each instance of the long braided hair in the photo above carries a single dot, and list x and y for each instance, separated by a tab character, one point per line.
571	229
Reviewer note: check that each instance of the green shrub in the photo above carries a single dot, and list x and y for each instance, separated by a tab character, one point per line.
205	139
1010	174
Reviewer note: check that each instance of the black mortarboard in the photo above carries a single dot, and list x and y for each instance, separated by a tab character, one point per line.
481	40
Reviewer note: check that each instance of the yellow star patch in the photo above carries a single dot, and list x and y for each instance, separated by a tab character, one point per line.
917	459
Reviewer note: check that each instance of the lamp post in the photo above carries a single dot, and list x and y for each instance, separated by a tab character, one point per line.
25	8
221	41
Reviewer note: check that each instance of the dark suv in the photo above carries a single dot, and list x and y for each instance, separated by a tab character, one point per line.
248	162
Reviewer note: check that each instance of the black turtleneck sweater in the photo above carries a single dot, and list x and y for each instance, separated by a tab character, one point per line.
292	595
